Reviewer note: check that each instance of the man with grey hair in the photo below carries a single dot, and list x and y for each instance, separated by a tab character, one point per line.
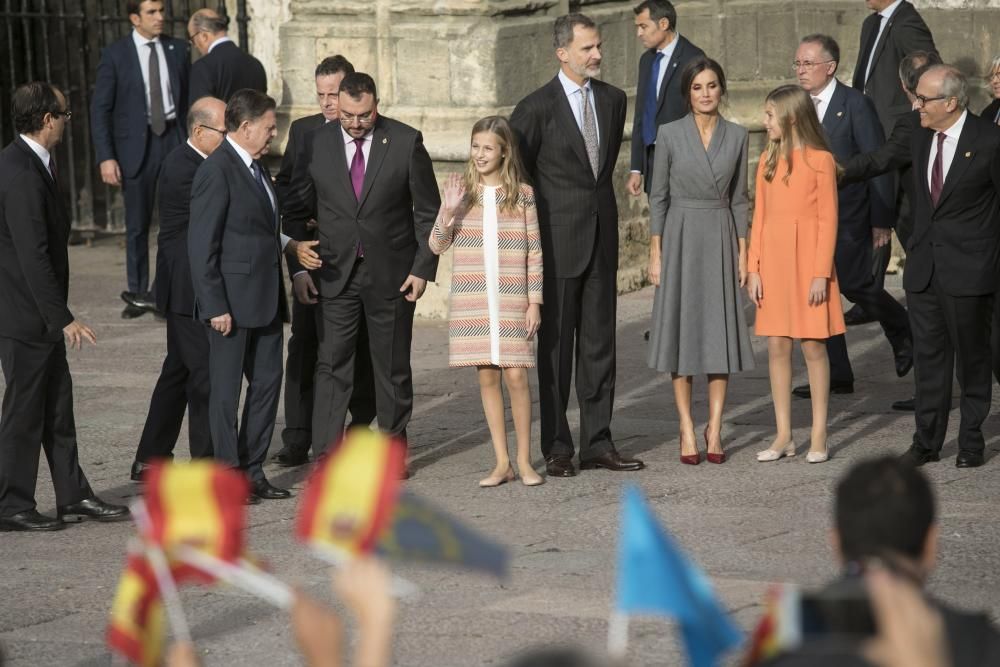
223	67
570	131
953	263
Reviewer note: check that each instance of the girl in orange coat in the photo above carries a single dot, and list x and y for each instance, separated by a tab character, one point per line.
791	277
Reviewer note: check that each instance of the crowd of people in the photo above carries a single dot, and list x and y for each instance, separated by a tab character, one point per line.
532	222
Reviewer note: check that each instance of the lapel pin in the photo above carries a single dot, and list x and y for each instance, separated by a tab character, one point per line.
385	140
839	114
968	154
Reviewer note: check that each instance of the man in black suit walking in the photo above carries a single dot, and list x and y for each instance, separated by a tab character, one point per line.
234	246
892	32
34	318
865	211
300	366
953	263
137	117
223	67
570	132
369	183
184	378
658	96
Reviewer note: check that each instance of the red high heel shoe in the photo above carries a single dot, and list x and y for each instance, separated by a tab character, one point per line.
709	456
690	459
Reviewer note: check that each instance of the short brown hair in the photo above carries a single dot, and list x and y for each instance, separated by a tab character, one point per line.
247	105
562	30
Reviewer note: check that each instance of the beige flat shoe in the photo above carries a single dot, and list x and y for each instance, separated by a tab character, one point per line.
491	481
775	454
818	457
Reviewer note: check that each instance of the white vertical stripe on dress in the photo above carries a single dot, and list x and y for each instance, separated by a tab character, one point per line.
491	262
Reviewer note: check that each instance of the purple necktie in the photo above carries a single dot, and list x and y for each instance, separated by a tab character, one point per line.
937	171
358	168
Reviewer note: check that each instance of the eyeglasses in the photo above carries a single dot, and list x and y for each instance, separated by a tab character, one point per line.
193	37
922	101
67	114
808	64
362	119
209	127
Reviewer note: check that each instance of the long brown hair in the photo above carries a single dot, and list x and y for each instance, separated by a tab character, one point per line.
797	119
511	170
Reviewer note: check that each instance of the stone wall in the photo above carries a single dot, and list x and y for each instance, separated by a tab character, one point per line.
443	64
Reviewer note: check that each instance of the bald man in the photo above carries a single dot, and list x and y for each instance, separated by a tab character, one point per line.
183	382
224	67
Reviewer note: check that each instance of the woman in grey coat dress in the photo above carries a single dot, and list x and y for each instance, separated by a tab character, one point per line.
697	253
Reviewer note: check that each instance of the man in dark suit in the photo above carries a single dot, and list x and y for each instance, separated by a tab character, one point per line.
137	117
952	263
234	246
885	517
369	183
184	378
223	67
865	210
570	131
34	286
300	365
658	96
894	156
894	30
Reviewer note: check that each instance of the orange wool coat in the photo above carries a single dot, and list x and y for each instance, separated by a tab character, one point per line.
792	241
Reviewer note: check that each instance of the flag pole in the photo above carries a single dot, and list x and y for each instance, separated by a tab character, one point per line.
161	570
399	587
243	576
617	635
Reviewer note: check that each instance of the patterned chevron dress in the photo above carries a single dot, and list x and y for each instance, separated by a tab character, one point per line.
496	273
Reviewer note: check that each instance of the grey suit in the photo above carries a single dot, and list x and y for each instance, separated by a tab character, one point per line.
698	204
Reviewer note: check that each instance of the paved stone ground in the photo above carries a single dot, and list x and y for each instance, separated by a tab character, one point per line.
746	523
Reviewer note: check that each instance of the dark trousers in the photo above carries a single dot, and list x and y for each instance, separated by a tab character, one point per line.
256	354
995	339
139	192
945	329
183	385
390	331
300	369
578	335
37	412
853	260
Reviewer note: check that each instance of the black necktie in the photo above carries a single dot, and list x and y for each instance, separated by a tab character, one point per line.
258	175
157	117
866	52
52	169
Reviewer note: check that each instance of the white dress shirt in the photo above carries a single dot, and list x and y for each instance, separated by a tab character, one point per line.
248	161
350	147
573	94
884	15
951	136
823	97
169	109
196	150
221	40
42	153
668	53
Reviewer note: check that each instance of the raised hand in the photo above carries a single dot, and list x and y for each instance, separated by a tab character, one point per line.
454	193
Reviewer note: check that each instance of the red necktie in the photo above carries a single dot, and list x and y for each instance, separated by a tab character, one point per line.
937	171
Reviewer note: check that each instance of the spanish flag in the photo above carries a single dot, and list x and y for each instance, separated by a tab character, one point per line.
198	504
350	495
136	630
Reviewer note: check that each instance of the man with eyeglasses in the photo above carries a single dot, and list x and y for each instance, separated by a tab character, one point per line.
300	364
223	67
137	116
37	407
184	380
370	185
865	210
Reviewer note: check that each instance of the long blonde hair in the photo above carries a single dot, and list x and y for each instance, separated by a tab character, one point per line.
511	169
797	119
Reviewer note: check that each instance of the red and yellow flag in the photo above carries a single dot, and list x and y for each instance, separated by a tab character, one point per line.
136	630
199	504
349	498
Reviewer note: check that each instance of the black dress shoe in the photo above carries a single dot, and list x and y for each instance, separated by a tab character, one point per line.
138	468
917	456
143	300
612	460
264	490
290	457
968	459
905	405
29	520
131	312
903	357
856	315
93	508
802	391
560	466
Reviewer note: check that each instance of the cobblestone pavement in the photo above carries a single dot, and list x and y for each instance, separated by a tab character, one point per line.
746	523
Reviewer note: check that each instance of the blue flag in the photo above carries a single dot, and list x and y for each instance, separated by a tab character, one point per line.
420	531
654	577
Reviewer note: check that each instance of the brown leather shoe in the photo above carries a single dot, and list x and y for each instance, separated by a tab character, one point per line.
559	466
612	460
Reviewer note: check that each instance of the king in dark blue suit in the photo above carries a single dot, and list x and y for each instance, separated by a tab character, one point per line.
137	117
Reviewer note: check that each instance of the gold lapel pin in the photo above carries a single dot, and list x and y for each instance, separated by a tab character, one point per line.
968	154
385	140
